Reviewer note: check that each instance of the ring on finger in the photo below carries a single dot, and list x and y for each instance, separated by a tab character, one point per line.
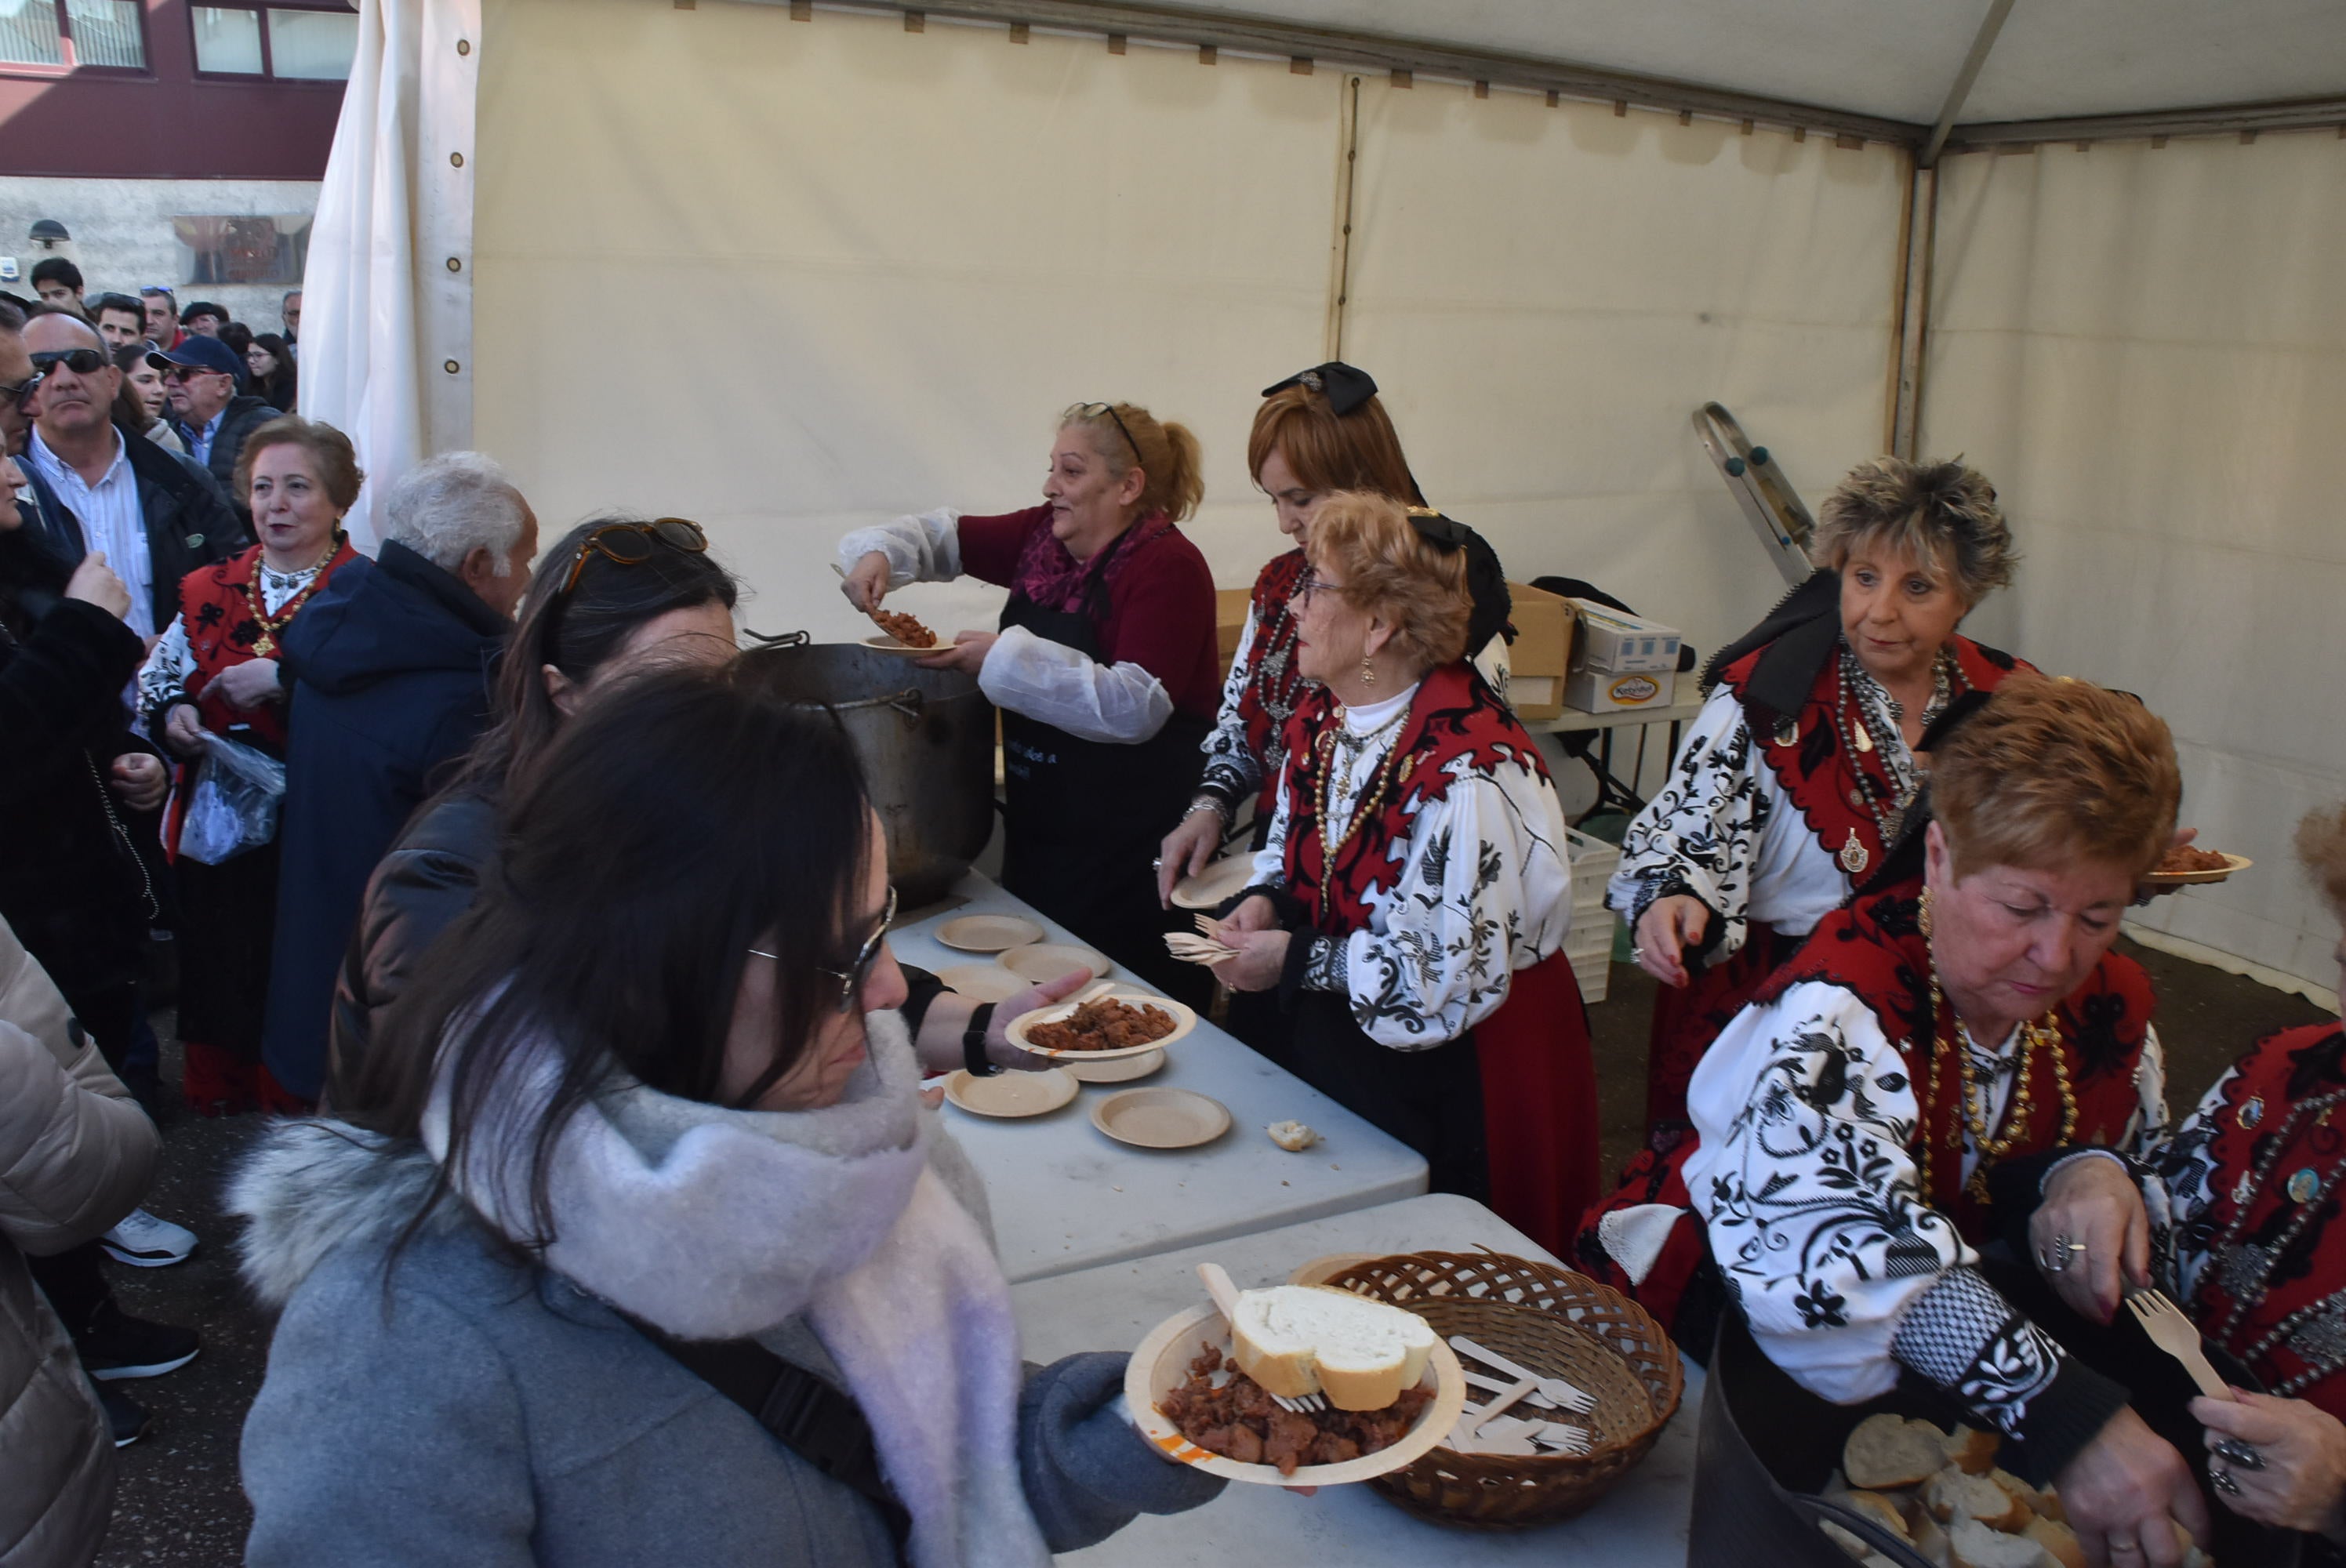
2134	1547
2223	1480
2243	1454
2057	1256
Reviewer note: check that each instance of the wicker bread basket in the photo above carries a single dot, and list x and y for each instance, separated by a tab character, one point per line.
1553	1322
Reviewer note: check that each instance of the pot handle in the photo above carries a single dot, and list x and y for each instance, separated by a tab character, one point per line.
780	639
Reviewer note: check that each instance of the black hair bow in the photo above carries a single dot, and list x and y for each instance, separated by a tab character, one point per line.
1486	579
1345	387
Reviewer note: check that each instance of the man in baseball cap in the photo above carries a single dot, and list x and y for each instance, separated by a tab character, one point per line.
209	405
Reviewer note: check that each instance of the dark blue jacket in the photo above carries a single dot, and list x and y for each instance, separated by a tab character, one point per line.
390	666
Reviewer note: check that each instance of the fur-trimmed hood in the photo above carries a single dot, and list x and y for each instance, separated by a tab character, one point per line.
309	1187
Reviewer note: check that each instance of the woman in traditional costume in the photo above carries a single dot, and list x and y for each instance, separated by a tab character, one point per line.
1860	1124
216	670
1797	774
1103	666
2242	1203
1411	903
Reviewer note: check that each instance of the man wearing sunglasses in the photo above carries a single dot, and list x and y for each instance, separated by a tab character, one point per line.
156	514
209	406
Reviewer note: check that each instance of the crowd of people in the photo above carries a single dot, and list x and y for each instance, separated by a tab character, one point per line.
545	995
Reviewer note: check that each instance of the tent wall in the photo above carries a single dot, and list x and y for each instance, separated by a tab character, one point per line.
2146	349
790	277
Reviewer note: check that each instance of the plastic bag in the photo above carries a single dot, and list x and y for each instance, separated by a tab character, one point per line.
232	807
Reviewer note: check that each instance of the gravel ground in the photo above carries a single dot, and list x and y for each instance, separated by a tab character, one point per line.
179	1503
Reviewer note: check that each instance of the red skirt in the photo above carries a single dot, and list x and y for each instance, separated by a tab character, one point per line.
1539	1103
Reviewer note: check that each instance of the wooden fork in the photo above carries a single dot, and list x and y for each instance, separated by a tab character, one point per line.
1226	1298
2174	1333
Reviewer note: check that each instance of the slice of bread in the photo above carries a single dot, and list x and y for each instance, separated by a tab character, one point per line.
1887	1451
1296	1340
1952	1496
1858	1550
2060	1541
1971	1451
2035	1501
1978	1546
1930	1543
1881	1509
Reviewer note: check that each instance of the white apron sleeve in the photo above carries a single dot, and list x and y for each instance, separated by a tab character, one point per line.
925	548
1701	833
1233	772
1052	683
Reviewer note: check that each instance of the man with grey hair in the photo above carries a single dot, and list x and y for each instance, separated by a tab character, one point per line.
391	666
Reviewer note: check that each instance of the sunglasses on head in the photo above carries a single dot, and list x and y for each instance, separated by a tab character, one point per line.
81	361
631	543
852	978
1094	410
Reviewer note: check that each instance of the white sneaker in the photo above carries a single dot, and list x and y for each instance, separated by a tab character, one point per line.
143	1241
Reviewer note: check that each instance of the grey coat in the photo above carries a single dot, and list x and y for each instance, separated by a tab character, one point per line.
467	1408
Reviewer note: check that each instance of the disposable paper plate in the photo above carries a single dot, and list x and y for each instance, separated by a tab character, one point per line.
1184	1020
983	982
1046	961
1161	1118
1121	1070
989	933
1162	1364
1010	1093
1217	881
890	645
2189	879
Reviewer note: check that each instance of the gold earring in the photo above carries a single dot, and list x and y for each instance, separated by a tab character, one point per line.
1368	675
1923	915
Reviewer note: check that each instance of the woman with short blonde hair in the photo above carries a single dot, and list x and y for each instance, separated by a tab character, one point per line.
1796	776
1103	666
1411	902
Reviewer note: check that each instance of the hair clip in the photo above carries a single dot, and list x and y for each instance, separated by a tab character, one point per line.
1444	533
1344	386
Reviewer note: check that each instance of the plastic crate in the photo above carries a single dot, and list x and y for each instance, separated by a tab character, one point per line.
1590	953
1589	947
1593	863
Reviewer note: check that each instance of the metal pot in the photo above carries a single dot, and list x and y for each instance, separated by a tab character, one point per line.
926	739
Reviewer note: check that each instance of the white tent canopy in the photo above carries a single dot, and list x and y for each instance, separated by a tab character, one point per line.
787	269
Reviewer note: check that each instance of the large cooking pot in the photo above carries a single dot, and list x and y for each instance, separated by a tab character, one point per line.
925	738
1766	1445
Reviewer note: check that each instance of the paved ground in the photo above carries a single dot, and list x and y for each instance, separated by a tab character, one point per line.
179	1503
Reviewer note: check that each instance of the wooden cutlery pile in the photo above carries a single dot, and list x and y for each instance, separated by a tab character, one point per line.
1204	948
1487	1429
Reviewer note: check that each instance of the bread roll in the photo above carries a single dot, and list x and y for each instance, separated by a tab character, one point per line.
1881	1510
2060	1541
1971	1451
1297	1340
1930	1543
1887	1451
1952	1496
2035	1501
1978	1546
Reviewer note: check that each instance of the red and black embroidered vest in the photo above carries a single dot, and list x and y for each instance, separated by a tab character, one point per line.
1817	771
1269	699
1456	728
2290	1328
217	604
1873	949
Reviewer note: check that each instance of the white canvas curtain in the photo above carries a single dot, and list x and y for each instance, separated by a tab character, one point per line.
386	321
787	278
2146	350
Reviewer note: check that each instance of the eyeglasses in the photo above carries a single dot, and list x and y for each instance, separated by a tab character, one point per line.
1094	410
1310	583
13	392
631	543
180	375
81	361
851	980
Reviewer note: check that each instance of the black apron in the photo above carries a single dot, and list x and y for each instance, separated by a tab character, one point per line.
1083	820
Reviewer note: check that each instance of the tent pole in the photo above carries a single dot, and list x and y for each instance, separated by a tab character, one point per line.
1340	288
1914	310
1990	25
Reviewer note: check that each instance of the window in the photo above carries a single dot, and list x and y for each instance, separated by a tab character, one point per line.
72	33
292	42
240	249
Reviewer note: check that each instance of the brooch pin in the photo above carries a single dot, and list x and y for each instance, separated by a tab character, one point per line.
2303	1185
1787	730
2253	1112
1853	857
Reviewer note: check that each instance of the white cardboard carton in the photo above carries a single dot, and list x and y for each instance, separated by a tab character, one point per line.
1613	691
1623	644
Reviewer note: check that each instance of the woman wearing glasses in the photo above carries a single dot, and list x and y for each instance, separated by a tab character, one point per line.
215	672
1411	901
1103	666
526	1281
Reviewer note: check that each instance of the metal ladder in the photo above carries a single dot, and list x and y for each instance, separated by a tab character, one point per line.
1769	504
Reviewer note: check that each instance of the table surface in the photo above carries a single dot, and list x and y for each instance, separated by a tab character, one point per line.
1065	1195
1642	1521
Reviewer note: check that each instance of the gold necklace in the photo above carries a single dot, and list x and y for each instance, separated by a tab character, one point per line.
1370	800
2034	1039
266	643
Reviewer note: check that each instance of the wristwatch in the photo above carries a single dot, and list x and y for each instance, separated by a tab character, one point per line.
972	1042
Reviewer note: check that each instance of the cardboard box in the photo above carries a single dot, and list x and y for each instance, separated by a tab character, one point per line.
1623	644
1617	691
1229	621
1541	652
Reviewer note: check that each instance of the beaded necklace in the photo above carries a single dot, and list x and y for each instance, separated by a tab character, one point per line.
1860	733
2316	1331
1372	799
2034	1039
266	643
